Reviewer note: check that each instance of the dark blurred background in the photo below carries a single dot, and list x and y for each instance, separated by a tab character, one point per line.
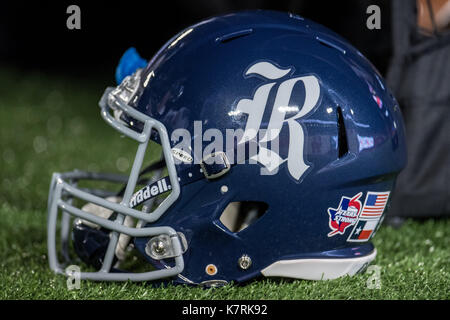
34	36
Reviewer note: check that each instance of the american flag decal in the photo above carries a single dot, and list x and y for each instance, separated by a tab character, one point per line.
370	216
375	204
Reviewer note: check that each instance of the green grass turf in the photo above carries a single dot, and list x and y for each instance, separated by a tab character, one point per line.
53	124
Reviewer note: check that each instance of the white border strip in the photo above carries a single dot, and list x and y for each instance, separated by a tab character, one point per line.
318	269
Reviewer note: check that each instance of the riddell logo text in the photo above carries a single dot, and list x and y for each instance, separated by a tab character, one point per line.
150	191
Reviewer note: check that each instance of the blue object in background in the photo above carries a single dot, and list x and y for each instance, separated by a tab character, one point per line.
130	62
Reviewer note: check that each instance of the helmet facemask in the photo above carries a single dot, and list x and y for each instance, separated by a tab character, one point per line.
110	213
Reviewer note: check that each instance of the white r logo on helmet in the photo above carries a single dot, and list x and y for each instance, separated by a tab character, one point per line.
255	109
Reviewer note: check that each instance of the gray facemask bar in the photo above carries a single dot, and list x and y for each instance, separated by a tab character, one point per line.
65	184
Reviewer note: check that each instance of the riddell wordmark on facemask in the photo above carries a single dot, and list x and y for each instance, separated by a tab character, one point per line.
263	143
150	191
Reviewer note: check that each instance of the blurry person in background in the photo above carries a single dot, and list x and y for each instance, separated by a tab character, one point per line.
419	75
433	16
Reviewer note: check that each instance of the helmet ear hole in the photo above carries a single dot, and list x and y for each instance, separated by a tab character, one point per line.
238	216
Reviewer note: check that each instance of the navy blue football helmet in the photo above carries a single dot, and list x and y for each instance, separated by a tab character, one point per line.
280	148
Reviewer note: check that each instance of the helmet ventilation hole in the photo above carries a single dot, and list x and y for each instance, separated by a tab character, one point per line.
342	134
330	44
238	216
234	35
